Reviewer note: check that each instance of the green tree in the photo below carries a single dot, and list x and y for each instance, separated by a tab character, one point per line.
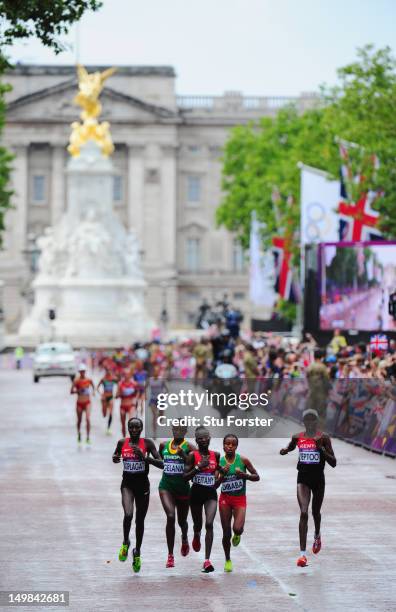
43	19
46	20
5	158
263	156
361	110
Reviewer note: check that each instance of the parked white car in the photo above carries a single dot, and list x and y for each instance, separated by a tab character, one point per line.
54	359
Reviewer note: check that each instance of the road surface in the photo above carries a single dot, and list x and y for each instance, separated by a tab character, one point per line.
61	524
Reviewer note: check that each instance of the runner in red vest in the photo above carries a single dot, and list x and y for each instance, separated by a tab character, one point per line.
83	386
135	486
201	467
127	391
315	450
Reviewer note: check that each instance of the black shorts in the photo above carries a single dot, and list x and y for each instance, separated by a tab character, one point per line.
140	486
200	494
314	481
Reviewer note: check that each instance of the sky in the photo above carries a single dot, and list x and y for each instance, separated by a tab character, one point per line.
257	47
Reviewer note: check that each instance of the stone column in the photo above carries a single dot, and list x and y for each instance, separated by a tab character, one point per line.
168	206
168	226
135	205
17	218
58	197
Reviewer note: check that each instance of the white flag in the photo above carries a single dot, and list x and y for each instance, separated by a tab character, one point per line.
262	272
319	201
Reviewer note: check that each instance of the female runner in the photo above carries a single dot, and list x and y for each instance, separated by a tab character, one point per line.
174	491
314	451
135	486
107	382
127	392
201	467
232	502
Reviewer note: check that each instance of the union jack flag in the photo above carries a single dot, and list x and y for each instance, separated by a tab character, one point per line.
358	220
378	343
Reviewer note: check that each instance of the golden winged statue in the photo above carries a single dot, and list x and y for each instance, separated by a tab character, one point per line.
89	88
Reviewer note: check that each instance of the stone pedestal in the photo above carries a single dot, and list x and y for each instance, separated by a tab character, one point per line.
89	268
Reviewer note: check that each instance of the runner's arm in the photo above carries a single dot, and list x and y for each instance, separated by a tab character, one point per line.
98	385
327	450
156	458
290	447
117	452
189	468
253	475
73	388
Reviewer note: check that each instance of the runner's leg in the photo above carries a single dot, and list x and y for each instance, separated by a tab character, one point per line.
127	504
142	504
79	419
196	514
110	413
303	497
168	504
239	520
317	500
210	512
225	516
88	419
182	513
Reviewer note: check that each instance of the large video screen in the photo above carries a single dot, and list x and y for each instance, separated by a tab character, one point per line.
355	283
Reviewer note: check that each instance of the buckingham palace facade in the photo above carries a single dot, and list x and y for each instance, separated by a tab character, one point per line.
166	187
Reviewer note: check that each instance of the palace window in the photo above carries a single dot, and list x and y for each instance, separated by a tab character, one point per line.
238	256
193	248
193	189
38	188
117	188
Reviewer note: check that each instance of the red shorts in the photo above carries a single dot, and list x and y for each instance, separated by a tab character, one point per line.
128	408
83	405
232	501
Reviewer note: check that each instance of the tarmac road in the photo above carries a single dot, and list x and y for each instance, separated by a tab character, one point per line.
61	522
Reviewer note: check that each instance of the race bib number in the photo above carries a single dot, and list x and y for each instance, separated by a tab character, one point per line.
206	480
84	391
173	468
232	486
309	456
128	392
134	467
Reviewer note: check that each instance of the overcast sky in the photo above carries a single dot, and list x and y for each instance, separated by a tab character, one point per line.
259	47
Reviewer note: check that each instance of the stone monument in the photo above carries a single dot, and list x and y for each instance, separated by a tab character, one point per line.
89	269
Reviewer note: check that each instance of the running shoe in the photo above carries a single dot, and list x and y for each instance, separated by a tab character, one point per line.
228	566
123	552
88	441
78	438
108	432
235	539
207	567
196	543
317	545
137	561
302	561
185	548
171	561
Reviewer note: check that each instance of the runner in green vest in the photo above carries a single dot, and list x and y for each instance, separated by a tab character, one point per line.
174	491
232	502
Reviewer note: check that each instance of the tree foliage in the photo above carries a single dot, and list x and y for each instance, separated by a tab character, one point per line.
5	157
43	19
262	158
